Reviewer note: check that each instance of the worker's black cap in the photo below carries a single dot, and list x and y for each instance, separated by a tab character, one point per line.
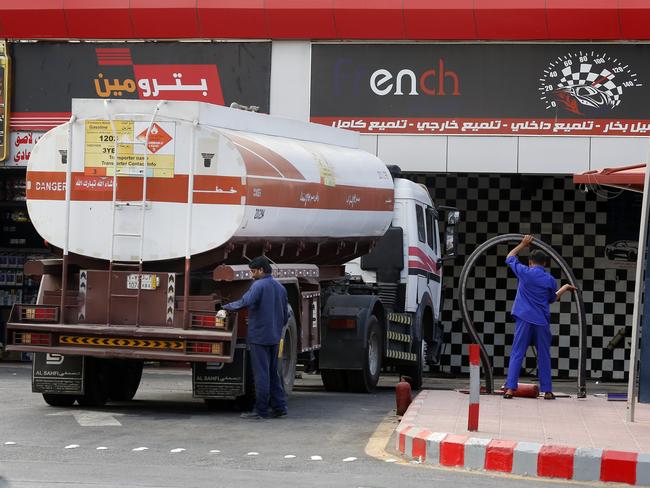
260	262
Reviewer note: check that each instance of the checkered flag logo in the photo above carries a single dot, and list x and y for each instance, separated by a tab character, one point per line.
585	79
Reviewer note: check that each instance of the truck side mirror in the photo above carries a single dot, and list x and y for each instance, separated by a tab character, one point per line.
451	236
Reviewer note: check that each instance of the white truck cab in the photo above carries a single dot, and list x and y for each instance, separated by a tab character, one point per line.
406	268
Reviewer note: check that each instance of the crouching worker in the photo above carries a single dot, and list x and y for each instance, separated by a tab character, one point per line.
535	292
266	301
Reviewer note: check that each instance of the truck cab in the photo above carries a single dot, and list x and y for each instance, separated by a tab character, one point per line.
405	267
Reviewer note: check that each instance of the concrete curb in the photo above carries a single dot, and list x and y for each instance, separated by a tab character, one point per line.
521	458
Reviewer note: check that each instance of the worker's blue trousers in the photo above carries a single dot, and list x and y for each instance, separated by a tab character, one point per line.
525	335
269	388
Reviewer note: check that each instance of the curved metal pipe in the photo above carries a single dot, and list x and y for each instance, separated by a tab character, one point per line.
471	329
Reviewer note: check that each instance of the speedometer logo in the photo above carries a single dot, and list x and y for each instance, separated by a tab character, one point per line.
585	82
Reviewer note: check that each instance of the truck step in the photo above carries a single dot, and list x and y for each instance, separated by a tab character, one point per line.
404	356
401	318
134	204
398	336
117	264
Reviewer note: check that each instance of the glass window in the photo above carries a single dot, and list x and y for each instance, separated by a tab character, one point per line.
419	215
430	234
432	229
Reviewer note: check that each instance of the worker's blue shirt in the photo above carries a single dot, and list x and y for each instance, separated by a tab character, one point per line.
536	291
266	301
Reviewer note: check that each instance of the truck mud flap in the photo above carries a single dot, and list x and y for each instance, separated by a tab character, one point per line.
222	381
58	374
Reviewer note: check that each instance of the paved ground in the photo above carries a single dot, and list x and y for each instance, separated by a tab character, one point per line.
329	440
590	422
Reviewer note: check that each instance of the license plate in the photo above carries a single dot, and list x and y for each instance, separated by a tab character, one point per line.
147	282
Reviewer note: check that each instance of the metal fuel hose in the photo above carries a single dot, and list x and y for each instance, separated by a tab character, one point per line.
471	329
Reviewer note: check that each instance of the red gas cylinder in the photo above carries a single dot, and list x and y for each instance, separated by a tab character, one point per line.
402	396
526	390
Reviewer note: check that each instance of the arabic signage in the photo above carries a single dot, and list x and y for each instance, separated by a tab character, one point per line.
50	74
21	144
483	89
5	69
54	373
100	145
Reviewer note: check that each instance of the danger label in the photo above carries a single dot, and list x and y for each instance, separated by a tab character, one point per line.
121	148
158	138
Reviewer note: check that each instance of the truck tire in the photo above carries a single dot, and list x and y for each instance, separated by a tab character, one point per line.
56	400
96	383
124	380
365	381
289	356
334	379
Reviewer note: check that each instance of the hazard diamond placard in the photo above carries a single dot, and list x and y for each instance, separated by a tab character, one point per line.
158	138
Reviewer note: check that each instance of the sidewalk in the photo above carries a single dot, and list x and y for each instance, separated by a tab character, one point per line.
593	428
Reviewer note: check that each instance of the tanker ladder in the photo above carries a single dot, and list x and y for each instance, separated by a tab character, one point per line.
123	206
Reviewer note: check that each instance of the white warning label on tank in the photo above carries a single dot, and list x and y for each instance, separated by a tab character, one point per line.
134	139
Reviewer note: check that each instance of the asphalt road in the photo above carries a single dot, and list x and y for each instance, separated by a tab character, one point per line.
165	438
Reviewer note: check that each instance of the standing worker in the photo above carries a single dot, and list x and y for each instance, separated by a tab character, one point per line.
536	291
266	301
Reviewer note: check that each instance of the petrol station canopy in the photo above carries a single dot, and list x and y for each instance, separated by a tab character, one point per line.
471	20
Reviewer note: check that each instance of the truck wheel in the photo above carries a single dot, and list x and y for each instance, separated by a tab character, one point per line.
58	400
365	381
124	380
289	356
334	379
96	384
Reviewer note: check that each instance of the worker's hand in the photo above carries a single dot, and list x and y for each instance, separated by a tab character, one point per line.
527	240
570	287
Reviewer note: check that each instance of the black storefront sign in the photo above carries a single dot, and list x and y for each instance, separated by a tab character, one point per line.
224	381
483	89
57	374
47	75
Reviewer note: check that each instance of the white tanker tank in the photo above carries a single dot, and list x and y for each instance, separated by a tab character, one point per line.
252	180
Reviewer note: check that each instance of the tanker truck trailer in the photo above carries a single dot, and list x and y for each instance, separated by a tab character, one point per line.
153	210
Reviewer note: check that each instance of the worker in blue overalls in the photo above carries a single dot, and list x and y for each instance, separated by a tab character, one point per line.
535	292
268	313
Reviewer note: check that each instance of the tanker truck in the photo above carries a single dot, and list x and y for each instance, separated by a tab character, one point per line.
153	210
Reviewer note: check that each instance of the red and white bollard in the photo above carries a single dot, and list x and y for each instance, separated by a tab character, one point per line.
474	387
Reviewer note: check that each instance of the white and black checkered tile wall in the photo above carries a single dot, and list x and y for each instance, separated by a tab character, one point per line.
575	223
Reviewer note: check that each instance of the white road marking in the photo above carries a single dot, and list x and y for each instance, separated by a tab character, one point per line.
72	446
316	458
87	418
102	448
178	449
252	454
349	459
10	443
391	460
140	449
215	451
289	456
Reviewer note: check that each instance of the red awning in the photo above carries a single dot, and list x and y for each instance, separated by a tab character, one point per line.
625	177
411	20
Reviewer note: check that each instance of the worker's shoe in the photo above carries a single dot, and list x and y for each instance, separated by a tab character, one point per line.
278	413
549	395
252	415
508	394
